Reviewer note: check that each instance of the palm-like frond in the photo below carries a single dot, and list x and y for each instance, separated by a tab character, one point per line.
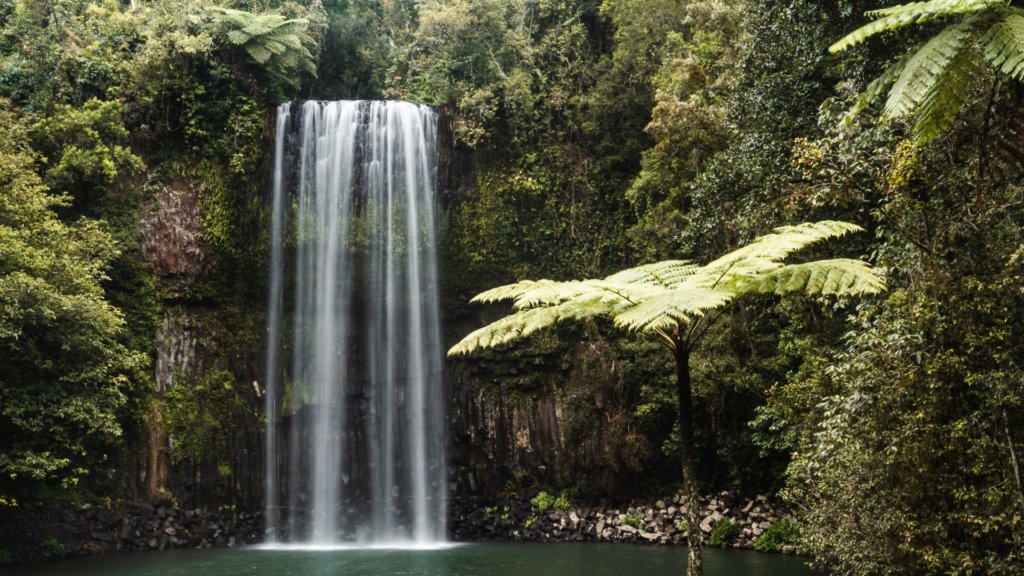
668	308
935	81
925	70
666	273
949	93
661	298
532	293
1004	45
896	17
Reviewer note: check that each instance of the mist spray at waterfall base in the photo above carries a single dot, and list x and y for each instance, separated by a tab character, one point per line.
354	408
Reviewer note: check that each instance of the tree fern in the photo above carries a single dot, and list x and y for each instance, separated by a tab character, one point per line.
839	277
664	297
674	302
280	45
948	94
767	252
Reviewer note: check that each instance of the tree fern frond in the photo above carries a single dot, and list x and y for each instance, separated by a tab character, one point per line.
940	7
666	273
1003	45
259	53
839	277
767	251
237	37
290	41
518	290
896	17
875	89
276	43
261	27
948	94
670	308
274	46
521	324
925	69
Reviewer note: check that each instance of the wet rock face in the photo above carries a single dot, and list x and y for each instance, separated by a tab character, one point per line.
171	236
550	420
176	342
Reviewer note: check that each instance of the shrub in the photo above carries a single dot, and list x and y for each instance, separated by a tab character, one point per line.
562	503
52	548
779	534
725	531
632	521
542	502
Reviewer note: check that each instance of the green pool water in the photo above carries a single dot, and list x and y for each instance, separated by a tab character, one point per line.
460	560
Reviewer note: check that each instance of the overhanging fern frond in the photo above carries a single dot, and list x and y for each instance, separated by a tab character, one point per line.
661	298
670	308
1003	45
529	293
896	17
875	89
276	43
925	70
521	324
948	94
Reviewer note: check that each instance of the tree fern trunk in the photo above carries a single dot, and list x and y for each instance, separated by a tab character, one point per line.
687	452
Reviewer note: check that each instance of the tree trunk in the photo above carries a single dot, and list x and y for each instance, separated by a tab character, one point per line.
158	472
1013	460
688	455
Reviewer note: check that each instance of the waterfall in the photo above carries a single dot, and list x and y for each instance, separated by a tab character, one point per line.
355	423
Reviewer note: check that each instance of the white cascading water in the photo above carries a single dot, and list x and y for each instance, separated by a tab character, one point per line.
355	422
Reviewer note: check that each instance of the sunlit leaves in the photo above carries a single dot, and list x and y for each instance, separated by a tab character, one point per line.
62	364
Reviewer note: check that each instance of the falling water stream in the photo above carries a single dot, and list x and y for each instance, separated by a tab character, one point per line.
355	426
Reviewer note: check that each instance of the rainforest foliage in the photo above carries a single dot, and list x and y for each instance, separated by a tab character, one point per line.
584	137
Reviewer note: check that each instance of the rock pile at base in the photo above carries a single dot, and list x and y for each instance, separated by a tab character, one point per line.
74	529
662	521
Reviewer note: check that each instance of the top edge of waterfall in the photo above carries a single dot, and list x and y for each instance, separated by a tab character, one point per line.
384	101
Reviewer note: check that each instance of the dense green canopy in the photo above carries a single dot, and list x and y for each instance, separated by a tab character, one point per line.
63	368
581	137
